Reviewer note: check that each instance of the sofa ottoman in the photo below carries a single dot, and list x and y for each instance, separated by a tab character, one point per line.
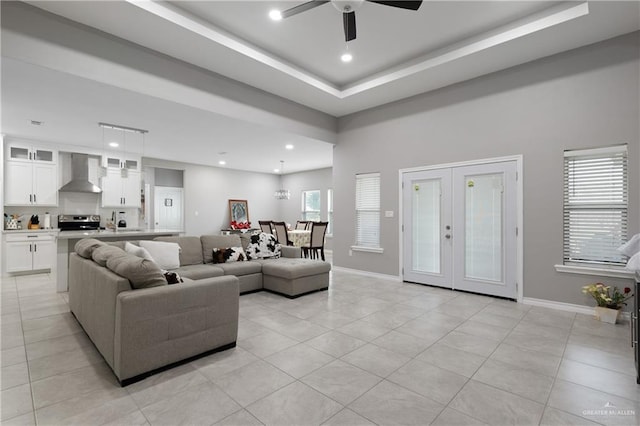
294	277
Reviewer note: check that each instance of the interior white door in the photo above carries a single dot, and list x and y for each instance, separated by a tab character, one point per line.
484	224
168	208
427	215
459	228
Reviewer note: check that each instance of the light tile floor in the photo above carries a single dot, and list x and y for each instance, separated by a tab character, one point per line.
368	351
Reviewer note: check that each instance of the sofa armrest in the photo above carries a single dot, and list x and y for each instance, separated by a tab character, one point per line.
291	252
161	325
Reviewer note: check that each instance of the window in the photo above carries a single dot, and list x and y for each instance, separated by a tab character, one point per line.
330	211
595	205
368	210
311	205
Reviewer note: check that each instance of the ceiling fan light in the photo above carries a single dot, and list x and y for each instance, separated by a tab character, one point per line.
346	57
275	15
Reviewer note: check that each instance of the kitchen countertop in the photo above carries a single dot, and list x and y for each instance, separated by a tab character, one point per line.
29	231
103	233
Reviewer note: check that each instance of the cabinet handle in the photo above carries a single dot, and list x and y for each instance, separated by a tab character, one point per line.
29	155
34	198
30	247
31	198
35	247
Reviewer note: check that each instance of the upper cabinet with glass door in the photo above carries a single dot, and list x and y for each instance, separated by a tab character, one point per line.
19	151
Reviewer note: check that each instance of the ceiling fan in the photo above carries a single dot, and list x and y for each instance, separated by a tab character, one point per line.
348	11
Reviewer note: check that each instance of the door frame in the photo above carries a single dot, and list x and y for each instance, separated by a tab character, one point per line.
519	210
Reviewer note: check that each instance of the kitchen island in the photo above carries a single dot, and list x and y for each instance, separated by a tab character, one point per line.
68	239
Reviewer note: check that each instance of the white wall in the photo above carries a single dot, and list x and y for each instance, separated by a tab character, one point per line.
584	98
207	191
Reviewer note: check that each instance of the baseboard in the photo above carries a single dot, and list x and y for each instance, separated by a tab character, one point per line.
567	307
367	273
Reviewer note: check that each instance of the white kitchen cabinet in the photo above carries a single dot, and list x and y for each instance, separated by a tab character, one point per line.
120	162
121	189
19	151
29	183
29	252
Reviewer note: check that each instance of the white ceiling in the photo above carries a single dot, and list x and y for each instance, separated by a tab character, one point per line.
397	54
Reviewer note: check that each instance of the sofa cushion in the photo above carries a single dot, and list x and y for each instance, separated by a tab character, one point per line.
198	272
166	255
240	268
293	268
263	246
141	273
209	242
228	255
86	246
190	249
137	251
101	254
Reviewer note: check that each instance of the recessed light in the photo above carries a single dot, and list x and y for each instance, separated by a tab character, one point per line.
222	162
346	57
275	15
114	144
289	146
276	170
37	123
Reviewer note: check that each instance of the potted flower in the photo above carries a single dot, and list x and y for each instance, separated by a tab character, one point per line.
609	300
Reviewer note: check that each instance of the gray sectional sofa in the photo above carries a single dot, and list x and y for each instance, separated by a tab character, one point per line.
140	331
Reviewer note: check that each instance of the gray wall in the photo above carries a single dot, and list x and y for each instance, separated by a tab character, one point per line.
207	191
585	98
291	210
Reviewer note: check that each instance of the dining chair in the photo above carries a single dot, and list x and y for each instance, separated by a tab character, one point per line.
316	243
309	225
302	225
265	226
281	233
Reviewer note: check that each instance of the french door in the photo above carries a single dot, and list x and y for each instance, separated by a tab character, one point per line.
460	228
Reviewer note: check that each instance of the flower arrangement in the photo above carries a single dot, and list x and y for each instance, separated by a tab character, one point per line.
240	225
607	297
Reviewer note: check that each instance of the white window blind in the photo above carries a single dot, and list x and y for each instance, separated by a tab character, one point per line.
368	210
595	205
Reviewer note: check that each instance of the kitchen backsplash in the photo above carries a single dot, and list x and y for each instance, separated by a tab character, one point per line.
75	203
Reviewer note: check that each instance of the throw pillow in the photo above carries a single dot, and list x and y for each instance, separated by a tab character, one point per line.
229	254
166	255
101	254
263	246
172	277
141	273
86	246
137	251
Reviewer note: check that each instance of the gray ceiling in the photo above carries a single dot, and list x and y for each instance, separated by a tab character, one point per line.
398	53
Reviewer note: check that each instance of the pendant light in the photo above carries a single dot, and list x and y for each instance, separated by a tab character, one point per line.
282	194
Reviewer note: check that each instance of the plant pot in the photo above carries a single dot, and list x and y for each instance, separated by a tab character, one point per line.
607	315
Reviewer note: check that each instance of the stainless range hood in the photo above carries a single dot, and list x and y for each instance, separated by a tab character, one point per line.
80	176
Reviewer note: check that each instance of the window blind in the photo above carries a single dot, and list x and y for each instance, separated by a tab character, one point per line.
595	205
368	210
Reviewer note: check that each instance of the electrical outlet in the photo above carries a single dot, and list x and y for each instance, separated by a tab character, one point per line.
388	213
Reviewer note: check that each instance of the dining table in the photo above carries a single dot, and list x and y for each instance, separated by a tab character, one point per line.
299	237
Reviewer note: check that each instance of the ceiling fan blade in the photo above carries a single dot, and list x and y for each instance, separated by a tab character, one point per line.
349	22
302	8
411	5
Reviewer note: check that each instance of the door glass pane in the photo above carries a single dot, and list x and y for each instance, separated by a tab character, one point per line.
426	225
483	226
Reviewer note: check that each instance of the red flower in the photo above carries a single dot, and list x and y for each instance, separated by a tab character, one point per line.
627	290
